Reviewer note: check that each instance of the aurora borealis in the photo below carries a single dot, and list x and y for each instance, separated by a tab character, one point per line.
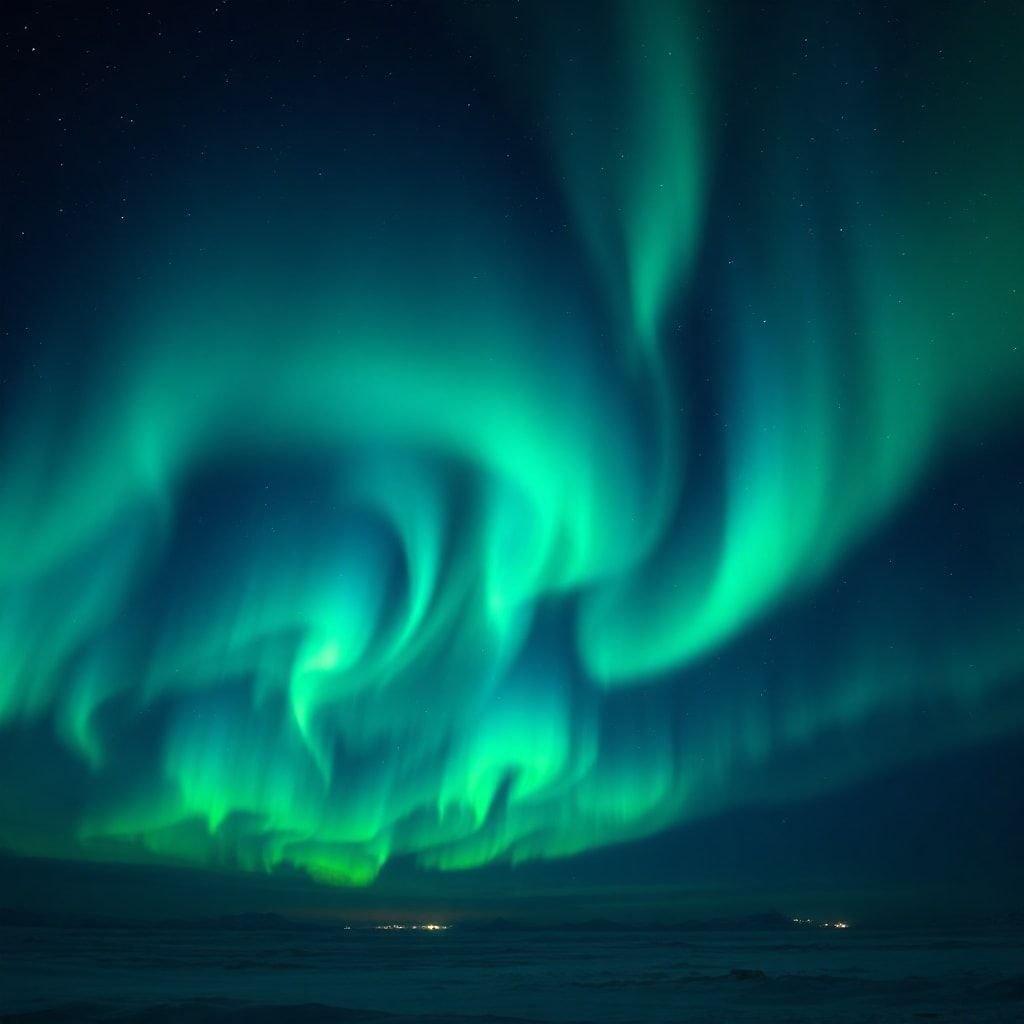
505	432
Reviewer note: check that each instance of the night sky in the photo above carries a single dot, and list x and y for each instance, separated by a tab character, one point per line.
547	459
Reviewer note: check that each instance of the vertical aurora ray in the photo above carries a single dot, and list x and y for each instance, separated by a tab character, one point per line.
836	393
389	520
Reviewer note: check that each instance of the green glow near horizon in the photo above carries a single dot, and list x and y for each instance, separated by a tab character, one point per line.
463	575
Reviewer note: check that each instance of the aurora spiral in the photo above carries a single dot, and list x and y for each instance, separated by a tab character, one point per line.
384	488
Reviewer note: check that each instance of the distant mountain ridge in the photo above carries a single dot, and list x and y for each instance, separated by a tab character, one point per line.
771	921
15	918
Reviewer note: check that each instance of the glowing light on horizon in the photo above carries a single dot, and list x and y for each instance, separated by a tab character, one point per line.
401	927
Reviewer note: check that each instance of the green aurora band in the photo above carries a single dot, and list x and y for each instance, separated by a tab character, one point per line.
390	527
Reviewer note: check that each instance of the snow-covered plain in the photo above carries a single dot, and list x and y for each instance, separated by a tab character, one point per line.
156	975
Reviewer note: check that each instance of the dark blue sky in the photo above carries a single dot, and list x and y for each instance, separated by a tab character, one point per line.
476	459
